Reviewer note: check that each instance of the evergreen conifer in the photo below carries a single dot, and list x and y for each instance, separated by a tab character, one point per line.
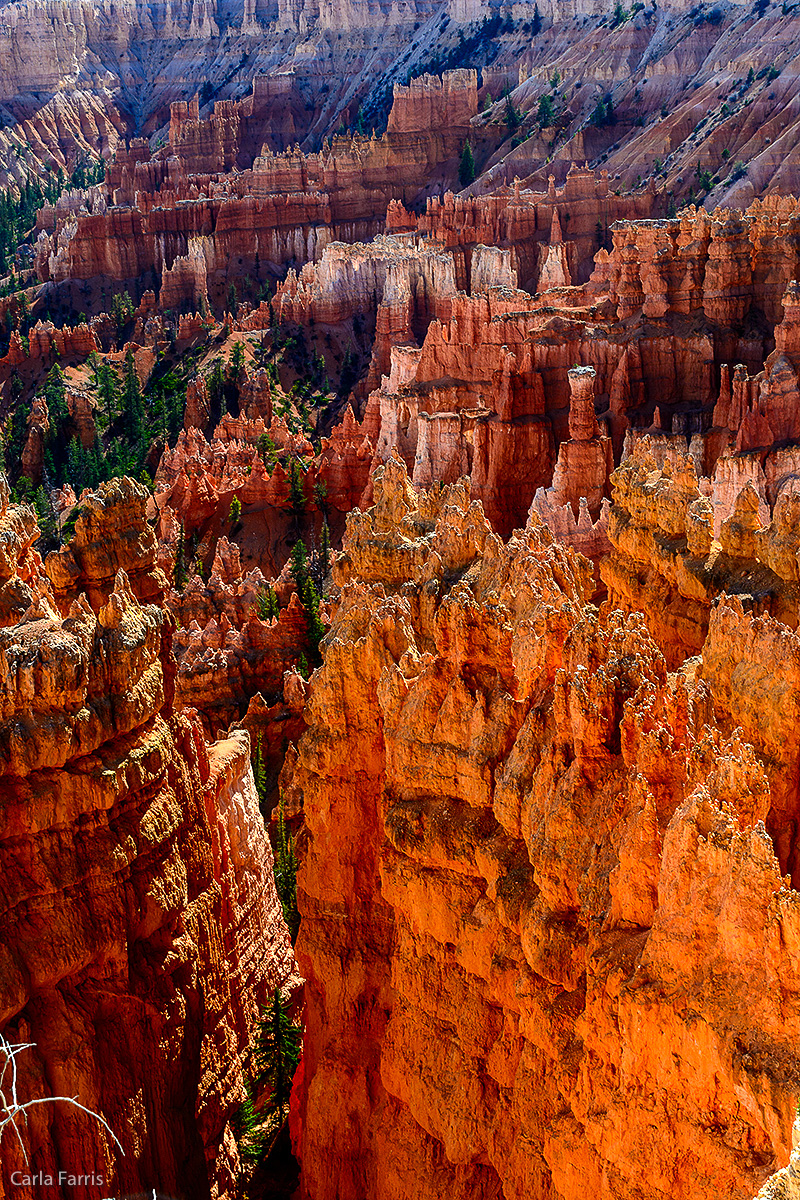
277	1052
466	170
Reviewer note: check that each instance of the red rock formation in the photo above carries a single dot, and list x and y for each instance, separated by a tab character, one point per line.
675	550
32	455
580	533
180	215
714	262
448	104
197	481
550	931
111	534
585	461
224	651
221	667
276	728
349	279
48	343
163	935
205	147
526	219
345	462
554	271
21	580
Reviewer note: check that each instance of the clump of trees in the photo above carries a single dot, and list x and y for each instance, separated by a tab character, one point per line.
266	604
546	112
604	113
18	208
278	1041
511	115
127	418
285	871
275	1057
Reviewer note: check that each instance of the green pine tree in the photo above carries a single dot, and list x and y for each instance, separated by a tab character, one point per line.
325	547
107	389
133	411
511	116
267	450
260	776
75	466
236	361
297	497
55	393
545	115
277	1052
266	604
46	518
314	623
250	1137
285	871
466	169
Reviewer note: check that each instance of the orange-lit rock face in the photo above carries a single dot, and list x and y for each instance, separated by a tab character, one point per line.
140	931
489	391
111	533
675	549
538	898
21	580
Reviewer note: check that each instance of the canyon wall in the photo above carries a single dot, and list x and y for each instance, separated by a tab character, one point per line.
141	932
702	99
549	942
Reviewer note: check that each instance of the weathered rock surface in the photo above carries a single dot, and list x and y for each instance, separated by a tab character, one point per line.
670	562
557	922
111	534
141	932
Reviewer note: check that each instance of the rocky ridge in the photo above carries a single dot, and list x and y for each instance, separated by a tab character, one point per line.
551	924
145	861
701	97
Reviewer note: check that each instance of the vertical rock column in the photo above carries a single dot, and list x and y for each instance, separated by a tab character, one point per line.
585	462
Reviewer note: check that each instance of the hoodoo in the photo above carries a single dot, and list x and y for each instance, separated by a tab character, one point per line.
399	601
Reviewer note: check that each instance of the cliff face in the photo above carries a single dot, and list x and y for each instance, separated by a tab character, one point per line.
140	933
183	214
111	534
551	929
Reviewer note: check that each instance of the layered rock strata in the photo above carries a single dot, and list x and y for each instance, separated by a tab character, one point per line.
186	216
671	561
143	934
489	385
550	929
